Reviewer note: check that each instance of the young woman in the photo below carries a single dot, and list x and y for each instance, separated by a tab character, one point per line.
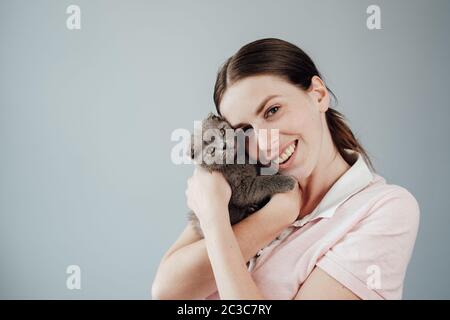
342	233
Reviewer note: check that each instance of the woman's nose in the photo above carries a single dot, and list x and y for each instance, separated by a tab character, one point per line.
267	140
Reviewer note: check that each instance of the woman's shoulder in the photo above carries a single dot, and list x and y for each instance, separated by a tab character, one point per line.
391	202
384	190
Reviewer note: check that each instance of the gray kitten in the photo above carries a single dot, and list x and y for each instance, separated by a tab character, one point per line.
249	190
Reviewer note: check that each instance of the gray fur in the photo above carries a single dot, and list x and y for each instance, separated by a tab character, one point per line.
249	190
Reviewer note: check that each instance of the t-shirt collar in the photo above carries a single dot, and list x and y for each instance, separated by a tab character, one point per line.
356	178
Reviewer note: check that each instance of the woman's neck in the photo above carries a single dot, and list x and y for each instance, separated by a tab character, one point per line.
330	167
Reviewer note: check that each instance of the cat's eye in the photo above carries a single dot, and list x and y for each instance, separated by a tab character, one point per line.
272	111
213	151
222	131
246	128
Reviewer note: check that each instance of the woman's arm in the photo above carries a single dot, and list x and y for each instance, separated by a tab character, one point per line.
235	282
228	264
321	286
185	270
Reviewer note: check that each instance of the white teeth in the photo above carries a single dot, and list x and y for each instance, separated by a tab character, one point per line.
291	148
286	154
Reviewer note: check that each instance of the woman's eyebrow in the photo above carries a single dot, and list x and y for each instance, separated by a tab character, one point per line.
264	102
260	108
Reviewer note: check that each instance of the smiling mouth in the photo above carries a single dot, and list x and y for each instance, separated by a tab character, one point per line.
287	153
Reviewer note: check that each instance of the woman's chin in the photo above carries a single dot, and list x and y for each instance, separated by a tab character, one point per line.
295	168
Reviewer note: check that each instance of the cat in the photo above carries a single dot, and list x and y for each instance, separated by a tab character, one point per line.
250	191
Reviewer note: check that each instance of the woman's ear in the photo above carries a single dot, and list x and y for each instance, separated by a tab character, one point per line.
319	93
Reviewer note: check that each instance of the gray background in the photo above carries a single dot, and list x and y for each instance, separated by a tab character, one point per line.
86	118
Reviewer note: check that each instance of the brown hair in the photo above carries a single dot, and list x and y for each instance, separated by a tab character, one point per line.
281	58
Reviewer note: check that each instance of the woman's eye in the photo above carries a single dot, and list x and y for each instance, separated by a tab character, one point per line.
272	111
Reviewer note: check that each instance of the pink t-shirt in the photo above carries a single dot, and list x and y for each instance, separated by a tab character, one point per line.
362	233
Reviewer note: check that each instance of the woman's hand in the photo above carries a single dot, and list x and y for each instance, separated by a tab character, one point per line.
208	194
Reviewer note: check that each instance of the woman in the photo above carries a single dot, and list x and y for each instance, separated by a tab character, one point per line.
342	233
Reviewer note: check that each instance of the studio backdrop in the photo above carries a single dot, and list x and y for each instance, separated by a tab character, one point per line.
91	92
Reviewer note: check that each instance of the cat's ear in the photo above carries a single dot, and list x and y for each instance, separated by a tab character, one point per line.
212	116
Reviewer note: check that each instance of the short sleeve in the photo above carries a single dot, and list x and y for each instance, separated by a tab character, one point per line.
372	258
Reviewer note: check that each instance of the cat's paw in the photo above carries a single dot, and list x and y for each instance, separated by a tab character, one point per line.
253	208
195	223
286	183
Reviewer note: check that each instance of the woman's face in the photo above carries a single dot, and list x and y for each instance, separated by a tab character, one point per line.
270	102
